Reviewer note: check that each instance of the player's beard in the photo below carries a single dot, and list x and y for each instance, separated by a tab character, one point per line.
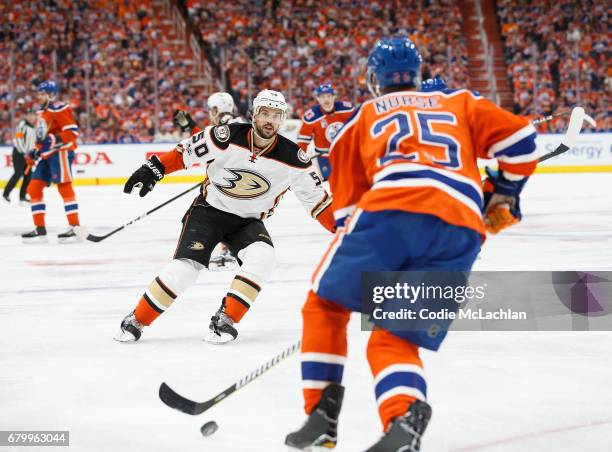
266	131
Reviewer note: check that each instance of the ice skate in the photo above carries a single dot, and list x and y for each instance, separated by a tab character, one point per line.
221	328
223	261
69	236
6	198
38	235
405	432
131	329
320	430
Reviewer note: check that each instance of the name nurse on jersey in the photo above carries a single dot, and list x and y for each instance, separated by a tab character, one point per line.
392	102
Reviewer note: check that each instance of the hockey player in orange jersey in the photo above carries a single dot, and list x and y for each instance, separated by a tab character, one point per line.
56	135
321	123
407	197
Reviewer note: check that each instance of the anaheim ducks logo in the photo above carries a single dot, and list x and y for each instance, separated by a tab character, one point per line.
196	246
244	184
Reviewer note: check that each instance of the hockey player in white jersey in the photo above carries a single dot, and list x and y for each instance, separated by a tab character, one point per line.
249	168
221	110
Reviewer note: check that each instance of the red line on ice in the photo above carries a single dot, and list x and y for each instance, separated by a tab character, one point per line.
532	435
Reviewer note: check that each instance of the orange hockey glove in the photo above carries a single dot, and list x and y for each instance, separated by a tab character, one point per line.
501	197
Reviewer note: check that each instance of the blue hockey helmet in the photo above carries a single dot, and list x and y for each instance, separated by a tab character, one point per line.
325	88
48	86
394	62
433	84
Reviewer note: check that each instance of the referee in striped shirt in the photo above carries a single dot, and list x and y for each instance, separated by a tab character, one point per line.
25	139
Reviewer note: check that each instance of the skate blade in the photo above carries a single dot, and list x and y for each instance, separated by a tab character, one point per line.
35	240
313	448
68	240
215	339
124	337
223	266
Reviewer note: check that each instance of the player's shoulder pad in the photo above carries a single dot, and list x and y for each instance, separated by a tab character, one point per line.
224	134
289	153
449	91
355	112
343	105
313	114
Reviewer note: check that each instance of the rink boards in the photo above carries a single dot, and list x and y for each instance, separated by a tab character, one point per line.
104	164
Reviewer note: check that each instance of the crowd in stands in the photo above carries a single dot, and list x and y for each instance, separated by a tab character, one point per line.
558	56
114	41
292	46
102	50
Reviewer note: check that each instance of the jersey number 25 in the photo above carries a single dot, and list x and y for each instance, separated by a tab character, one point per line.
404	129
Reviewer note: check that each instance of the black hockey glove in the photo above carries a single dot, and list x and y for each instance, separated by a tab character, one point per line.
145	177
182	120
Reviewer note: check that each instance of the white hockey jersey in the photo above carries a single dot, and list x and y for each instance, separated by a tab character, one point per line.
249	182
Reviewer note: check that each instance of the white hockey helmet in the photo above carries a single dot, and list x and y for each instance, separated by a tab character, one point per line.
223	101
271	99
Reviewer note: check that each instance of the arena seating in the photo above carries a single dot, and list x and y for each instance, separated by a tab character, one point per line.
295	45
548	44
287	45
120	37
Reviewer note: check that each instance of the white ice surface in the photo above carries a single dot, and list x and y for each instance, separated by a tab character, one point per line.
60	305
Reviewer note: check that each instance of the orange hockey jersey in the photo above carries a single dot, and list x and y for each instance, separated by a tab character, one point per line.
58	120
417	152
322	126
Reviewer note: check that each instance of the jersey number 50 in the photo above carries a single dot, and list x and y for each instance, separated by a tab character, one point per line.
404	129
201	149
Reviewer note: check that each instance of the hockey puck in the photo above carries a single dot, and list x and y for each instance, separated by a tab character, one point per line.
209	428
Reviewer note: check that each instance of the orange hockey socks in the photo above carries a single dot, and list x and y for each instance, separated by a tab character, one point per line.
240	297
156	299
37	205
71	207
398	374
324	347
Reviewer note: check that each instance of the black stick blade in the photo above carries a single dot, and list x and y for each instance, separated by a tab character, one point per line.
95	238
178	402
558	151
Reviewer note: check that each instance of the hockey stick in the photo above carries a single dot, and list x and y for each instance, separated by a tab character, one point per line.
178	402
547	118
35	162
577	118
81	232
